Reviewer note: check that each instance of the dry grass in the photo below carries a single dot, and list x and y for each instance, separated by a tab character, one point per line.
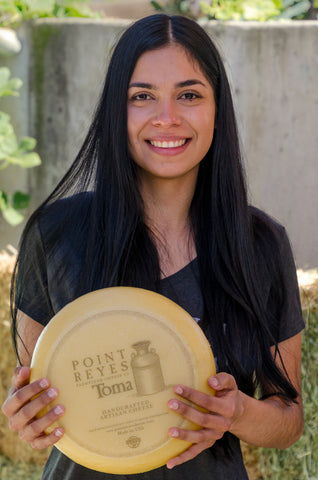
299	462
12	470
10	444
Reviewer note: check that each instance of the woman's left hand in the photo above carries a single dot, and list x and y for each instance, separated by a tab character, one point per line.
220	413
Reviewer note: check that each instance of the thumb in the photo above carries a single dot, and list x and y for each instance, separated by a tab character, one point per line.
222	381
21	377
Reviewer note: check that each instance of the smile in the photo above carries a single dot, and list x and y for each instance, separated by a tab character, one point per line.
168	144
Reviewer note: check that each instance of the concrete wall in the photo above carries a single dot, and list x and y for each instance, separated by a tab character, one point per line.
273	70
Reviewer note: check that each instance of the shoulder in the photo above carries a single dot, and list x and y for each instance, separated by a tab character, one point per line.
263	223
269	235
67	208
272	247
275	261
65	217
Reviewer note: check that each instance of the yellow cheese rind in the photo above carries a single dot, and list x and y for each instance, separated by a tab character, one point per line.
115	355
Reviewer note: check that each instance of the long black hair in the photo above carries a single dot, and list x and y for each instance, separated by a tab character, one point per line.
236	246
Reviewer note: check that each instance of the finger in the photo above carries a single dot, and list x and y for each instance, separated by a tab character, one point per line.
20	377
201	418
201	399
23	395
203	435
26	413
222	381
189	454
36	429
47	440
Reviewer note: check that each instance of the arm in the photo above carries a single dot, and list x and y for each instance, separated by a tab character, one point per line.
267	423
21	407
272	423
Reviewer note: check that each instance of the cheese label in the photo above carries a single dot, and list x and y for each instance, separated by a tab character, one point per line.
115	358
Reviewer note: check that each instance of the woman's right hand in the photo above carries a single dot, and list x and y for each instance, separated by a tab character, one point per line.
21	409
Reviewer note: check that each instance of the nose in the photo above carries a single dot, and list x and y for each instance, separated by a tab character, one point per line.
166	115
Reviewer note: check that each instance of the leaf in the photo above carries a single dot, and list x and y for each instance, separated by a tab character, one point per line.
12	216
3	199
5	124
298	9
11	152
157	5
29	160
8	86
20	200
27	144
8	141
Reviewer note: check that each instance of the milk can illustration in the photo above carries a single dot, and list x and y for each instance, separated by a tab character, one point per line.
146	368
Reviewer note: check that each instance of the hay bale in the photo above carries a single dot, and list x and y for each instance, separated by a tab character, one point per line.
10	443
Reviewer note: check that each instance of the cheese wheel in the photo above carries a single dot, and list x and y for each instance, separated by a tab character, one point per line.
115	355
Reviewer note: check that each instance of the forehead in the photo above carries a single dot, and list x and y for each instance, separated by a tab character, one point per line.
172	62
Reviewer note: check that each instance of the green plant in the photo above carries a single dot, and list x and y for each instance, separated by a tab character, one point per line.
241	9
13	12
13	152
257	10
173	6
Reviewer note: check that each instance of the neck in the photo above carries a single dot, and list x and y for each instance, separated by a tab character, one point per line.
167	205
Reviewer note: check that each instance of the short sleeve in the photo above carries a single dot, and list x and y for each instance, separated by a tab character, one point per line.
32	296
289	320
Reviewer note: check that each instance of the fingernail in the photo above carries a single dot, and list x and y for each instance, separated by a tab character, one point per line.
174	405
178	390
213	382
58	410
52	393
44	383
174	433
58	432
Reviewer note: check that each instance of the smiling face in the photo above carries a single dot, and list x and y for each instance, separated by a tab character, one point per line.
171	112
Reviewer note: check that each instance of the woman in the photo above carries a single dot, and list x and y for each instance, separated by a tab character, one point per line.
156	199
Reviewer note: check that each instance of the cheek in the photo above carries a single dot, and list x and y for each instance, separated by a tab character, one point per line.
135	124
207	129
131	133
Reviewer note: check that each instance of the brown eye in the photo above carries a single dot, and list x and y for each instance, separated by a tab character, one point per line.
190	96
141	97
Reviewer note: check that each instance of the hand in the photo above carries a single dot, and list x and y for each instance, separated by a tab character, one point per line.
21	409
220	412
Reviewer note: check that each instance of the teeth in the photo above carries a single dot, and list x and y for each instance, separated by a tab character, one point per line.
170	144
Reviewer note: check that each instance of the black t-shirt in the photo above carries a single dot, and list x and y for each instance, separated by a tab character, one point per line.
46	295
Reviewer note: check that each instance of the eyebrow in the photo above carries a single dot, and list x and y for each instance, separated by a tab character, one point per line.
185	83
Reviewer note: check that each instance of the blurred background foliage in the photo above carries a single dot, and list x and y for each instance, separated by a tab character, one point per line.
13	12
257	10
13	152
